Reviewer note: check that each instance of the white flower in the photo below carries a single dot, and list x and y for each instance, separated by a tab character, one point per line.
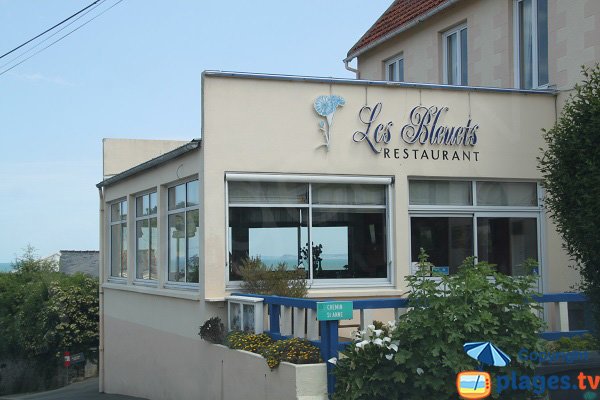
420	371
393	347
377	332
371	327
332	360
360	345
389	356
387	339
378	342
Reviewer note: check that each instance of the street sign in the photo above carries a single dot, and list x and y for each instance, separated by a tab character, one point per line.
67	357
440	270
77	358
334	310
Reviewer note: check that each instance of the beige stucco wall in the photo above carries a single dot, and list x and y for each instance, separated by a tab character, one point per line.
149	334
489	54
119	155
573	40
269	122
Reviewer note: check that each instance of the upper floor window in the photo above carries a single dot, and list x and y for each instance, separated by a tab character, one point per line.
118	239
454	44
394	69
184	232
531	43
146	242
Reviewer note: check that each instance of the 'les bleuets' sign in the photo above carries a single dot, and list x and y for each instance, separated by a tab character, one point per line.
425	127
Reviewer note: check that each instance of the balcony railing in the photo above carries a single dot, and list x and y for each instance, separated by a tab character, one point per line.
286	317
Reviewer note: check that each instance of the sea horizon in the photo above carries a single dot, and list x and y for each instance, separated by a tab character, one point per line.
5	266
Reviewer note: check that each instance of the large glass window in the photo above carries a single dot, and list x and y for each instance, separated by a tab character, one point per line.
118	239
394	69
531	43
454	44
184	232
345	224
498	224
146	242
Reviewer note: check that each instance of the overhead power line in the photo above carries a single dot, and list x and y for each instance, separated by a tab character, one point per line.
48	30
60	38
56	32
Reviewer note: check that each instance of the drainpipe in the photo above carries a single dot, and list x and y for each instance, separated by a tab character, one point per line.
101	270
349	68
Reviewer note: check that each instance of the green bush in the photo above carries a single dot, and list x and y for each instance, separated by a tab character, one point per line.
585	342
44	313
570	166
213	331
279	281
293	350
476	304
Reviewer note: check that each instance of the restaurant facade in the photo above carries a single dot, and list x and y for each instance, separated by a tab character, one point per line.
345	180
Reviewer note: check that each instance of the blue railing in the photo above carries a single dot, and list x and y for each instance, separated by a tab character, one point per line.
294	317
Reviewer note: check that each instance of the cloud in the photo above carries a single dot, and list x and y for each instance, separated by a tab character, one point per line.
39	77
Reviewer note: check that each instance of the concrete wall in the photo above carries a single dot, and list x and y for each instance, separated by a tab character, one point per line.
119	155
573	40
154	352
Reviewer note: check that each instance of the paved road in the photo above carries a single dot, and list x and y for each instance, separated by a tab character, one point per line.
86	390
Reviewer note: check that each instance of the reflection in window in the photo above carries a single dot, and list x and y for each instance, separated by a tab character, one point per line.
276	235
507	242
184	233
347	234
447	240
146	236
118	239
352	243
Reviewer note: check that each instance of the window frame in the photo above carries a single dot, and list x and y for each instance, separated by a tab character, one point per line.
394	61
155	215
110	277
535	84
475	211
387	182
169	284
459	67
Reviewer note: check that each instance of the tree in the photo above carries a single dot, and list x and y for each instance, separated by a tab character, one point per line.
44	313
570	166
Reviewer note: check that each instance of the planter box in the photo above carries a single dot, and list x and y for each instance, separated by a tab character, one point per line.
245	375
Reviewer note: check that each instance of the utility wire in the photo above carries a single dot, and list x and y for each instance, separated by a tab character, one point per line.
60	38
51	36
48	30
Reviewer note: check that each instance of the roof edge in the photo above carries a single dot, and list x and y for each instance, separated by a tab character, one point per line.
194	144
404	27
364	82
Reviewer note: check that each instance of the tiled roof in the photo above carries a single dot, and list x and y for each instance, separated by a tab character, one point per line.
398	14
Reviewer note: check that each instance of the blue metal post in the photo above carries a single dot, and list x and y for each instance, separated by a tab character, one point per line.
329	349
274	310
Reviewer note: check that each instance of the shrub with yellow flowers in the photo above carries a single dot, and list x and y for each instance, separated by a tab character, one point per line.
293	350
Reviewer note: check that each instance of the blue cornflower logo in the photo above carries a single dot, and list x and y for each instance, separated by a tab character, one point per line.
325	106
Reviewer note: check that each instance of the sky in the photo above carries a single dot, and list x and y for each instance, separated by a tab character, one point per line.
134	72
